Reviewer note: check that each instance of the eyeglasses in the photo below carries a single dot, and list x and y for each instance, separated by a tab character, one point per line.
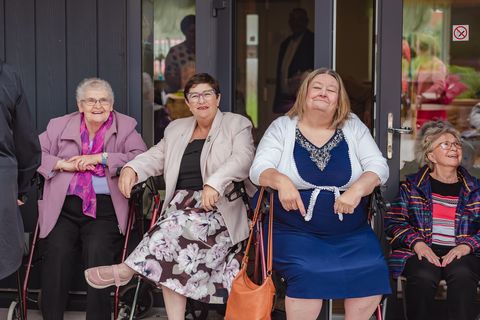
208	95
104	102
447	145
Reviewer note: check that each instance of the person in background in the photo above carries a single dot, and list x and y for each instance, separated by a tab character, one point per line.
295	60
430	71
180	60
81	203
322	162
19	159
194	250
434	228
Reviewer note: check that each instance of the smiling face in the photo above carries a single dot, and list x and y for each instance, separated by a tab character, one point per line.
446	152
203	102
96	105
322	96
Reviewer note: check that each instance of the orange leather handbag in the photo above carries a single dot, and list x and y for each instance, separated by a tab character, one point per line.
247	300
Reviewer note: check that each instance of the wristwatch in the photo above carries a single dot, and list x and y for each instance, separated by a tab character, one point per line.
104	159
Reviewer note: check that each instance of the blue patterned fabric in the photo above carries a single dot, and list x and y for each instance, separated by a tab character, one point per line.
326	258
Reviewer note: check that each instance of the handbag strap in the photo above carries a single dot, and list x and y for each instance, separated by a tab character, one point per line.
270	237
256	215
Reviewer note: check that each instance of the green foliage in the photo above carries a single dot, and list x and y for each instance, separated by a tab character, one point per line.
470	77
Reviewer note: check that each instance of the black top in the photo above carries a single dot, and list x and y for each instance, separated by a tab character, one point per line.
445	189
190	175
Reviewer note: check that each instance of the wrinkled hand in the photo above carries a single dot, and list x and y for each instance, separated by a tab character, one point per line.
209	197
86	162
455	253
128	178
290	197
64	165
347	202
424	251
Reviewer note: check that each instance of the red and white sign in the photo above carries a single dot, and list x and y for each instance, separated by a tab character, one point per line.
460	32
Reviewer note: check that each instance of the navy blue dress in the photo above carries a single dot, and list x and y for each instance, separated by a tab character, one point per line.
326	258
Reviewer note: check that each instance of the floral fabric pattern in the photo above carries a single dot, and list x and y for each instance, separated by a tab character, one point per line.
189	251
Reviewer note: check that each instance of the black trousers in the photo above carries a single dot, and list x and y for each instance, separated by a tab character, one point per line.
99	240
461	275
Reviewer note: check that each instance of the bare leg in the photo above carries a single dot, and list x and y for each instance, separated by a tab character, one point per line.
174	303
361	308
302	309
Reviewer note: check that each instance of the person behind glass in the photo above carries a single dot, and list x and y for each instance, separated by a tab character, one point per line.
430	71
180	60
434	228
19	159
195	248
81	201
295	60
322	162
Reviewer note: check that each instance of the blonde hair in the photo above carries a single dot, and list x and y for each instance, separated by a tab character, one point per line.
343	106
432	130
97	83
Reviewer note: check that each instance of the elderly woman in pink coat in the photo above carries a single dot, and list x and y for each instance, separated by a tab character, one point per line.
82	205
193	250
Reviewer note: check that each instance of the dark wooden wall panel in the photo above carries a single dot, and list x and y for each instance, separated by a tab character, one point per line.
2	29
112	62
81	45
134	62
51	61
20	44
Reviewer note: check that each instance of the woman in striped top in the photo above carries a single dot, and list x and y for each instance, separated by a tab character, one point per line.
434	228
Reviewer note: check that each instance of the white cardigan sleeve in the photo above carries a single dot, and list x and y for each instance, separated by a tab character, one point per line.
367	151
269	151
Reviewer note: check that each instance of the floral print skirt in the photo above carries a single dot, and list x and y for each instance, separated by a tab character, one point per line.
189	251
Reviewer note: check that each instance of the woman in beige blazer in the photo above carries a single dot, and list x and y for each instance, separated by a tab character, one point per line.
193	251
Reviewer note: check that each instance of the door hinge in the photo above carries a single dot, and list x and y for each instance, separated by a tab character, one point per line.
218	5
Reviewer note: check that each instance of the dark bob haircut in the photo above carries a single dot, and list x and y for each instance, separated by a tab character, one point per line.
200	78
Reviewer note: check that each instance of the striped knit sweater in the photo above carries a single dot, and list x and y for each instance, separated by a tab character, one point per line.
410	220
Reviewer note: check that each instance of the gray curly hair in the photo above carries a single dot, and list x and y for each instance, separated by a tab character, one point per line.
427	135
96	83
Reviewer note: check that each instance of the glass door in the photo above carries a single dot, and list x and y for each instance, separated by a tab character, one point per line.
168	60
440	76
274	50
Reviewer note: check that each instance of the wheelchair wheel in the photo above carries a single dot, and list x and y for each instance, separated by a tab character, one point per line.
144	301
14	311
196	310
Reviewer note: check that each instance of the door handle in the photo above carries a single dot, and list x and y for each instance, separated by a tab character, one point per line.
390	131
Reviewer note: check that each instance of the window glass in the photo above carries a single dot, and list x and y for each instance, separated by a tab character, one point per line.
440	75
168	64
274	45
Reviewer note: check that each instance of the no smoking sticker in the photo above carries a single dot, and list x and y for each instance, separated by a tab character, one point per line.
460	32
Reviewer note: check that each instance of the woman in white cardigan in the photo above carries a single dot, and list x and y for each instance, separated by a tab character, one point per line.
323	162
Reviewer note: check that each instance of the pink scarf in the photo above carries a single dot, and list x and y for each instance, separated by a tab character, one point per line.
81	183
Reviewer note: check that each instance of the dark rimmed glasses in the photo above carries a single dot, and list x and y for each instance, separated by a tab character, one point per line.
208	95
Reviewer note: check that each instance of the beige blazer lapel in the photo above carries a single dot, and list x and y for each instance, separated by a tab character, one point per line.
175	152
214	131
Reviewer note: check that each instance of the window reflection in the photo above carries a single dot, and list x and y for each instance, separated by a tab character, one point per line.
274	49
354	29
439	75
168	62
